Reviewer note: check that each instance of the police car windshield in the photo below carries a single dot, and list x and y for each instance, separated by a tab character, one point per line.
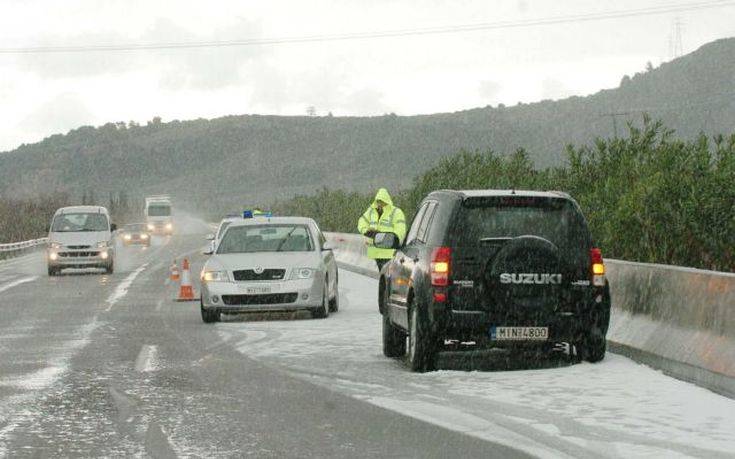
266	238
83	221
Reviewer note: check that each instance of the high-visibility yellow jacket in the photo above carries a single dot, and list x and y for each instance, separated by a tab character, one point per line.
392	220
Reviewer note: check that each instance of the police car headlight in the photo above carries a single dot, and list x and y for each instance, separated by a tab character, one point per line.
214	276
302	273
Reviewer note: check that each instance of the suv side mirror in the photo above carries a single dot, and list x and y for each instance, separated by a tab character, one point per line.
327	247
208	251
209	237
387	241
113	227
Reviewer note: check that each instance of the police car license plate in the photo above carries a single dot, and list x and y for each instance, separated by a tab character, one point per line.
519	333
260	289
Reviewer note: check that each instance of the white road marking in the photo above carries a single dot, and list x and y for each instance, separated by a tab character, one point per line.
159	305
147	359
17	282
122	288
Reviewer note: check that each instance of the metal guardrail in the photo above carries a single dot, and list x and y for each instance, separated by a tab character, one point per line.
16	246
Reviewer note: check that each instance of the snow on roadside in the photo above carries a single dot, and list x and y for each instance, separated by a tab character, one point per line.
616	408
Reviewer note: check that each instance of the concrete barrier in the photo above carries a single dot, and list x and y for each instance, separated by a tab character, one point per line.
678	320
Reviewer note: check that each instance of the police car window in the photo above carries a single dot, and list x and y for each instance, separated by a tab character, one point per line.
415	225
426	221
222	229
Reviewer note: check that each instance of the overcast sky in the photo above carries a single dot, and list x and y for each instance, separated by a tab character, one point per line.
43	94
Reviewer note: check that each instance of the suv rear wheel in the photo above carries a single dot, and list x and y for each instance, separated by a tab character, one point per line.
592	349
421	345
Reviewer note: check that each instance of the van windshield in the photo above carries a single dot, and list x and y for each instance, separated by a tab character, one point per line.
83	221
159	211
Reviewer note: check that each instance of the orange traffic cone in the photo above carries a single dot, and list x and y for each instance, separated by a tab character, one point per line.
174	272
186	290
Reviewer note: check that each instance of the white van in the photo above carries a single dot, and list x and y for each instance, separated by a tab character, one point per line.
81	237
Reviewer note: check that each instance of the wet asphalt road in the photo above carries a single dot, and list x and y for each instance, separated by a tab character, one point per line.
108	365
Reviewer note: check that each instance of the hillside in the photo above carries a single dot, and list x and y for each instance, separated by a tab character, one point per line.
244	159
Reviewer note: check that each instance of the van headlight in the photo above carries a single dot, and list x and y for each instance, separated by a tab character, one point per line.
103	244
302	273
151	227
169	226
55	245
214	276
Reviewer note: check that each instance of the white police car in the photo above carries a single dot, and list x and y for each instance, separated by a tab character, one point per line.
264	263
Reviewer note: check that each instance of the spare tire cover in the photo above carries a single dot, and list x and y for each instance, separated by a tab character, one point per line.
525	274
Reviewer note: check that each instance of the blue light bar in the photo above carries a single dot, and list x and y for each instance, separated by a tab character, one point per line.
247	214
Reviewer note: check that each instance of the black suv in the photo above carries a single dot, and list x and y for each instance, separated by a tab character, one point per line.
500	268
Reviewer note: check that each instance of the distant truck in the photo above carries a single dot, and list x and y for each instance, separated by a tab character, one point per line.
157	213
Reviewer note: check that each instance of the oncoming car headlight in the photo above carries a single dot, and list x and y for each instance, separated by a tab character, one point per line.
303	273
127	237
144	236
214	276
151	226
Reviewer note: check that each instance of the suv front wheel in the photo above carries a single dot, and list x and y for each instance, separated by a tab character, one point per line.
394	339
421	344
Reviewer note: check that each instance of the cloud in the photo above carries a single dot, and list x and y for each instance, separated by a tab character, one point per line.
200	68
551	88
489	90
63	112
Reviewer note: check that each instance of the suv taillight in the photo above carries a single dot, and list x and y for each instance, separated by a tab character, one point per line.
441	266
598	267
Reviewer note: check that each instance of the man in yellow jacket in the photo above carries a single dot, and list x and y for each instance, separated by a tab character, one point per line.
381	217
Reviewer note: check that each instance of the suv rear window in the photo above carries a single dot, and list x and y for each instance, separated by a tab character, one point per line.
554	219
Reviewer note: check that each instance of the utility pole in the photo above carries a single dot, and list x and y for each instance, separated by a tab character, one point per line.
614	117
676	46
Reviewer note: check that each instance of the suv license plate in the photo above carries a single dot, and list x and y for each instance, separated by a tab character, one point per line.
519	333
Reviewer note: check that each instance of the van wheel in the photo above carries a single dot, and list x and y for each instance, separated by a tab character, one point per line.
394	340
53	271
110	268
421	345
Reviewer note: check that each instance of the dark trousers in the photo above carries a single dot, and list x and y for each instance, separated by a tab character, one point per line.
381	263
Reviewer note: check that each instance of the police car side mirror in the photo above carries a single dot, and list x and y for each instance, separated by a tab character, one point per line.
387	241
209	237
113	227
208	251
